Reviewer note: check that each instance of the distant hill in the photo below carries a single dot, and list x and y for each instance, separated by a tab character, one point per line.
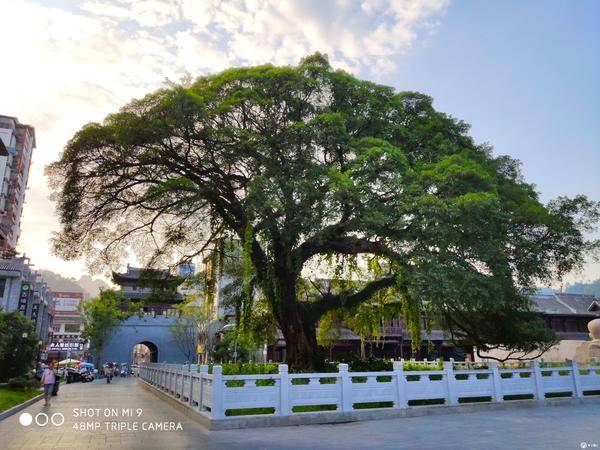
593	287
86	284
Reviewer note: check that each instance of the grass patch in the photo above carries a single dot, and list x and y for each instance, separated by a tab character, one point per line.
435	401
591	392
548	373
313	408
558	394
368	405
474	399
359	379
249	411
587	371
242	383
519	397
302	381
13	397
435	377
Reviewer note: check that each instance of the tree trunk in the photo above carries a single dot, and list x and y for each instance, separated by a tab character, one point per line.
299	330
302	350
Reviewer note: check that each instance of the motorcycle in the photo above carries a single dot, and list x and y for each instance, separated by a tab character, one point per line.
75	375
86	376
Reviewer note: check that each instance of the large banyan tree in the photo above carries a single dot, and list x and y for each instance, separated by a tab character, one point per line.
307	165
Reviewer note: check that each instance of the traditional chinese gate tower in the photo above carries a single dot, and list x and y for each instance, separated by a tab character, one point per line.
155	292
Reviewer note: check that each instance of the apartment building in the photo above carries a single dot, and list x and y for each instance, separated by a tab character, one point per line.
18	142
23	289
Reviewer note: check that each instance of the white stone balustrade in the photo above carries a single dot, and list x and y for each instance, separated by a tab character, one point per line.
213	394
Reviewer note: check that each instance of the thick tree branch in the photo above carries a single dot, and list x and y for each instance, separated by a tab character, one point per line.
334	301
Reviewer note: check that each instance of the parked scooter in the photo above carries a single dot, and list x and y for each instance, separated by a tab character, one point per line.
87	376
74	375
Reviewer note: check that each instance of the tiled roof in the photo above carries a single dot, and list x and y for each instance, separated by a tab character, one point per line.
567	304
10	266
579	302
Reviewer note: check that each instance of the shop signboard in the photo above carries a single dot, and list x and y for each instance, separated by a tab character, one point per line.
24	296
35	310
67	302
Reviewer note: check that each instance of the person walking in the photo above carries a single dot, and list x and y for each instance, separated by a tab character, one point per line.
49	380
39	370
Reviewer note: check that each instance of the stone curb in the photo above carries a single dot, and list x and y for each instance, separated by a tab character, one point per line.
332	417
15	409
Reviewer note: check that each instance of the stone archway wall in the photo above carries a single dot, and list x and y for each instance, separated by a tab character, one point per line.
136	330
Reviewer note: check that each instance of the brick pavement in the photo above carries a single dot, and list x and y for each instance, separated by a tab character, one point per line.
561	427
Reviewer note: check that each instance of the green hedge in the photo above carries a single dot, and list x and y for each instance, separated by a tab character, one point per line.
354	364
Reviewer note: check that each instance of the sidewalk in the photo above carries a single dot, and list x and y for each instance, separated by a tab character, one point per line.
561	427
102	403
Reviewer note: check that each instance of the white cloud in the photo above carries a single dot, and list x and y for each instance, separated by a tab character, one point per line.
66	67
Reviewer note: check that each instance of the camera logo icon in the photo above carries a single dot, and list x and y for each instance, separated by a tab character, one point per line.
42	419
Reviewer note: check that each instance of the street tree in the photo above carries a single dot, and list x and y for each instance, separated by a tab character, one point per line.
309	166
18	344
102	314
195	325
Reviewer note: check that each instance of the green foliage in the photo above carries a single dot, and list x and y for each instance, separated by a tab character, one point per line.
249	368
22	383
10	397
195	322
306	163
18	345
254	318
370	364
230	342
102	314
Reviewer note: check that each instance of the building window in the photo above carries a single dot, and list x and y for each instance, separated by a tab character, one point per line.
71	328
2	286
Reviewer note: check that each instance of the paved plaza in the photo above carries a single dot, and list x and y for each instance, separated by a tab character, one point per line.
559	427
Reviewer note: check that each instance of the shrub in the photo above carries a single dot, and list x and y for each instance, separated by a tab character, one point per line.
355	364
18	383
16	352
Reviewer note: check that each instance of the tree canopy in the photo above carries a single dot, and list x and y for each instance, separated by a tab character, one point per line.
102	314
308	165
18	344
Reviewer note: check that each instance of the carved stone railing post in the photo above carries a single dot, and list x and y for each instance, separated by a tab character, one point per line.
401	397
450	381
497	380
538	381
284	391
346	384
217	393
578	390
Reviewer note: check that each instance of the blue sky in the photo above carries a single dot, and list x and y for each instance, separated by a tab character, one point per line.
525	74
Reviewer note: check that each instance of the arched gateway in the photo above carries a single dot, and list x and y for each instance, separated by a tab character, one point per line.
144	352
151	326
153	333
